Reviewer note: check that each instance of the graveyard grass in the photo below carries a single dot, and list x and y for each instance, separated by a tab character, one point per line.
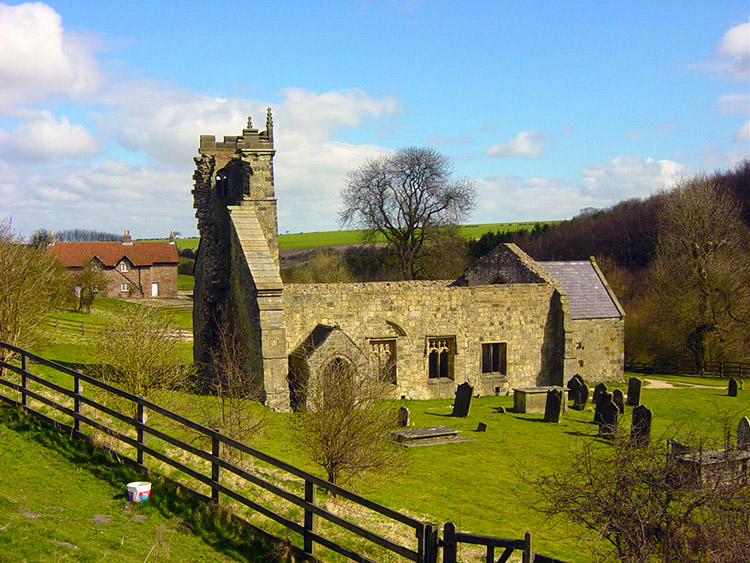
486	485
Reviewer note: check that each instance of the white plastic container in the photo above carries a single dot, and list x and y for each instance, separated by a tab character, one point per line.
139	491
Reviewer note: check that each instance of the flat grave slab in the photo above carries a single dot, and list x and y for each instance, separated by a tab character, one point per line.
534	399
429	436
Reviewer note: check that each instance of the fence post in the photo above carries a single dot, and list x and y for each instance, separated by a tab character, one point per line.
309	517
528	554
77	402
215	467
427	538
449	543
141	433
24	383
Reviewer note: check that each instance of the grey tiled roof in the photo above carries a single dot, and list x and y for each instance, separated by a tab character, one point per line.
587	296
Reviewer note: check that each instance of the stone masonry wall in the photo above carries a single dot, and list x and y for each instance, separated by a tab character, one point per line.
410	312
594	349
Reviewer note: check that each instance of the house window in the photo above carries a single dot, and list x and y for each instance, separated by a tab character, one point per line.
441	351
494	357
124	267
383	359
125	287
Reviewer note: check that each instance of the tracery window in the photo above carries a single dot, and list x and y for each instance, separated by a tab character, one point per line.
383	358
441	351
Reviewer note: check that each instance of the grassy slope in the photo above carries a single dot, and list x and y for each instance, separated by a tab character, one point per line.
55	509
485	486
330	238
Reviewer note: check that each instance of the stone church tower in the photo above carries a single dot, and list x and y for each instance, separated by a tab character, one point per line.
237	282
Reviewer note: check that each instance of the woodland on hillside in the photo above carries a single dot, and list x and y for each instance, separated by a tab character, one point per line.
679	261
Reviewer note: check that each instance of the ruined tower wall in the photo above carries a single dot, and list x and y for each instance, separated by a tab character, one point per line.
237	282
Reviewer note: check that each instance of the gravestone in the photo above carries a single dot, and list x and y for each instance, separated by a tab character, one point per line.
581	397
619	399
553	406
481	427
609	415
743	434
599	390
732	389
462	402
574	383
640	426
634	391
603	398
404	416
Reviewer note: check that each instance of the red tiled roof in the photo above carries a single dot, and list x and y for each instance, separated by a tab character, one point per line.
147	253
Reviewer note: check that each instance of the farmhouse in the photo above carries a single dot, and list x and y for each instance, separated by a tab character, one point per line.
507	322
132	269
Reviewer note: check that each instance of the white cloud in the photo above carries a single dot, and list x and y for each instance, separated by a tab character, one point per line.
734	103
733	52
45	138
511	198
628	176
38	59
743	133
527	144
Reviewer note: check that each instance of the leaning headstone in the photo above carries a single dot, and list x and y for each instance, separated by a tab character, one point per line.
404	416
462	402
599	390
619	399
634	391
553	406
481	427
581	397
603	398
640	426
609	414
732	389
743	434
574	383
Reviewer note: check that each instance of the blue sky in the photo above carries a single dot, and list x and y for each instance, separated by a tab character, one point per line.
550	107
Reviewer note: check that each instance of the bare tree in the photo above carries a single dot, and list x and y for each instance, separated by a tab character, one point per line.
87	284
33	284
408	197
346	424
652	507
235	390
141	352
701	275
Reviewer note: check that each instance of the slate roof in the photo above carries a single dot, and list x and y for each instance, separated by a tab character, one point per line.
315	339
145	253
588	297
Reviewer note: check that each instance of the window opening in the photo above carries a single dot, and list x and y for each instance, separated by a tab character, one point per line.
441	351
494	357
383	359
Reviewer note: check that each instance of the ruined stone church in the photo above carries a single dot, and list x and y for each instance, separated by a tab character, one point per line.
508	321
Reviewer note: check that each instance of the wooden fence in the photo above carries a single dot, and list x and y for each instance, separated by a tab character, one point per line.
96	329
422	549
739	370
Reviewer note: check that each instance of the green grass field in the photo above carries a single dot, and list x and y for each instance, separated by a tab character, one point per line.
62	500
331	238
485	485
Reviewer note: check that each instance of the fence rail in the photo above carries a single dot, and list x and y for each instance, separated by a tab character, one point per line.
711	369
96	329
423	548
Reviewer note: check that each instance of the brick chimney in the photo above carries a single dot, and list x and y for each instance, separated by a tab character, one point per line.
126	237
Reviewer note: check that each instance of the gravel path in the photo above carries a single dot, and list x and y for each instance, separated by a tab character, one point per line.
660	384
